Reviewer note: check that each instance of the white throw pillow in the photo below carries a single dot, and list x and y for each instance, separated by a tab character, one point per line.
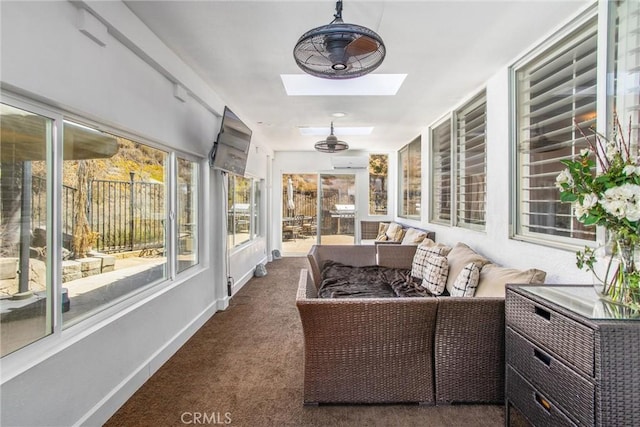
434	275
467	281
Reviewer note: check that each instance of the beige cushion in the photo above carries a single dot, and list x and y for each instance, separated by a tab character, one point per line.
467	281
428	243
494	278
413	236
434	274
382	231
421	258
394	232
460	256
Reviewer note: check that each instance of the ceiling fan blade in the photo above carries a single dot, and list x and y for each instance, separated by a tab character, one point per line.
361	46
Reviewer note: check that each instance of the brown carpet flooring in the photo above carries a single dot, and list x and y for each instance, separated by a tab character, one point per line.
244	368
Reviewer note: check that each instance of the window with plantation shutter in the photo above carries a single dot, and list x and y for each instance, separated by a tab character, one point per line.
471	172
555	92
624	41
441	172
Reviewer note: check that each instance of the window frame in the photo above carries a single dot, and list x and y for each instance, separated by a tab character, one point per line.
549	48
477	101
405	152
434	215
18	360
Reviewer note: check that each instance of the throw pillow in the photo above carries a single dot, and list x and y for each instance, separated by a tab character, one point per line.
494	278
382	231
428	243
420	258
460	256
394	232
467	281
413	236
434	275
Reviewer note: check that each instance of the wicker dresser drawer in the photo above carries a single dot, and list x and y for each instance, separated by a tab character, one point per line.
538	409
570	390
566	338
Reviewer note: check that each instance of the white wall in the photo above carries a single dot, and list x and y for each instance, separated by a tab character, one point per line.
82	374
301	162
495	242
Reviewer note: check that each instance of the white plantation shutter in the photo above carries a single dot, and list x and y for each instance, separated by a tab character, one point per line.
554	91
441	172
471	172
625	37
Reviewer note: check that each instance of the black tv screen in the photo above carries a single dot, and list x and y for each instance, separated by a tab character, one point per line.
231	149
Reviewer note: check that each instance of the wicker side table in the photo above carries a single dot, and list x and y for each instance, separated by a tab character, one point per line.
571	359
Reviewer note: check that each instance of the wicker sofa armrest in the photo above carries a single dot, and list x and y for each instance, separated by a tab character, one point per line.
469	350
395	256
367	350
356	255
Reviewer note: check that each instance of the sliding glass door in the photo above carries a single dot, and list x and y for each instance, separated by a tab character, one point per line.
317	209
337	209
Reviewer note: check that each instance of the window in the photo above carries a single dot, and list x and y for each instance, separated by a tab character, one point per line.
243	219
187	202
555	91
107	217
26	196
409	158
471	173
441	172
113	203
624	62
378	177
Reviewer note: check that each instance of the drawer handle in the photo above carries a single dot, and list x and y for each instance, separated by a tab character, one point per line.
543	402
543	313
544	358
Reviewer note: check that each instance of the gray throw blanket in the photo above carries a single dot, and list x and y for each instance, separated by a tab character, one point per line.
346	281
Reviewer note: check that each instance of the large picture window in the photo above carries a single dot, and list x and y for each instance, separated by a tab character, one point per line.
409	158
471	160
107	216
555	93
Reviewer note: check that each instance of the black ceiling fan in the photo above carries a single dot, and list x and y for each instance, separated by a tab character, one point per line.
339	50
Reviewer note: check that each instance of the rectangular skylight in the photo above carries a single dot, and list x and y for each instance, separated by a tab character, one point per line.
324	131
369	85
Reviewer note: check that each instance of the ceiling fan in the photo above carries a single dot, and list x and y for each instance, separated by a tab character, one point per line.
339	50
331	144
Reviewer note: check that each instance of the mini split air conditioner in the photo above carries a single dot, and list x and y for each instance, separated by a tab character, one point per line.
350	162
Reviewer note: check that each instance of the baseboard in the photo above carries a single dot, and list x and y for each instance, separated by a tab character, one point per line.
246	277
108	406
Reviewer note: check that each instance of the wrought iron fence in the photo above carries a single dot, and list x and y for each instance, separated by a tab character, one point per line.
125	215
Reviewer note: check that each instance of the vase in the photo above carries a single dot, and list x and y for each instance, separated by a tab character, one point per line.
618	271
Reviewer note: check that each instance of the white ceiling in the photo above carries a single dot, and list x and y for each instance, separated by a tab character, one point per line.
448	49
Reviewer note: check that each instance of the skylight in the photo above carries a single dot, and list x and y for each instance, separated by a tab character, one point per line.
369	85
324	131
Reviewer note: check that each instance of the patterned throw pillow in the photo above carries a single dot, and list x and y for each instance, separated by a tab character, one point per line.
467	281
434	274
423	252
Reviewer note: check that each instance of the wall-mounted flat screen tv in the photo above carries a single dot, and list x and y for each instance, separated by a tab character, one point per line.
231	149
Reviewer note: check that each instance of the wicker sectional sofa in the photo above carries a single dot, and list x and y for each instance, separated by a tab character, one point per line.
433	350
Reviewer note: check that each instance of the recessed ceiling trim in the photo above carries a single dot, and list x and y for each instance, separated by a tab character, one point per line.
369	85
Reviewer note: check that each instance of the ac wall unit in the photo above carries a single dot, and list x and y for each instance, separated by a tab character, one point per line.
350	162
